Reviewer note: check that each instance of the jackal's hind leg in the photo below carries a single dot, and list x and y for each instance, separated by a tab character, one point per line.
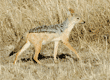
37	51
22	50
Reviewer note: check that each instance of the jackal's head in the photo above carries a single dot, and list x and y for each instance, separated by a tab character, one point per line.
74	18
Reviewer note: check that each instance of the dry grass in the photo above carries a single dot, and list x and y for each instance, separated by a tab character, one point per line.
91	40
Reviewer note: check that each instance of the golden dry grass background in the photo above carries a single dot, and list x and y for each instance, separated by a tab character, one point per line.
19	16
91	40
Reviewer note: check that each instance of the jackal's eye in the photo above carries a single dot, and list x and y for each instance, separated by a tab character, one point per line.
77	18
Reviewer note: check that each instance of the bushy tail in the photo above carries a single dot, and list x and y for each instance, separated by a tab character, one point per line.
20	44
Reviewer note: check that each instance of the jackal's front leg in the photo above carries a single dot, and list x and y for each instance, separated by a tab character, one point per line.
70	47
55	50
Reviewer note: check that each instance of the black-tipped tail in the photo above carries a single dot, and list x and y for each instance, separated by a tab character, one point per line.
19	45
12	53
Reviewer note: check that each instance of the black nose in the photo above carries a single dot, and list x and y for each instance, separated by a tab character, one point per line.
84	21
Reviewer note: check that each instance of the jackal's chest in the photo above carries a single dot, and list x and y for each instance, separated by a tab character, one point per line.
66	33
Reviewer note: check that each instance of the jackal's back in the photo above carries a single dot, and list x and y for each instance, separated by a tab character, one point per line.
58	28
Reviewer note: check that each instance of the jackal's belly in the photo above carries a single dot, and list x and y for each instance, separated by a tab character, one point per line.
45	38
50	37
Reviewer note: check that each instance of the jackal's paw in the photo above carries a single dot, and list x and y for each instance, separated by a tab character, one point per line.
56	61
38	62
14	62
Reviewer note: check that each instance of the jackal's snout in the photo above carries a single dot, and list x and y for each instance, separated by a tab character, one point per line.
82	22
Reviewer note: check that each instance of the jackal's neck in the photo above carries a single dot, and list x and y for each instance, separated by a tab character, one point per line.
65	23
68	25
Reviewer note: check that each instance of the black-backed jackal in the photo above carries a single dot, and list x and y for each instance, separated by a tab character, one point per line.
44	34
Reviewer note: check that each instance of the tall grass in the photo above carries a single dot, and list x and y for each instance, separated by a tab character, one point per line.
91	39
19	16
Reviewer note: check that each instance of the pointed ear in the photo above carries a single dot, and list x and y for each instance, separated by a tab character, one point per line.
70	11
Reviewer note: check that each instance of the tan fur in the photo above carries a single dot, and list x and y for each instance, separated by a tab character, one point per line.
39	39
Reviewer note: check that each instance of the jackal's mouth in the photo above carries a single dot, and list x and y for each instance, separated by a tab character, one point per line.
82	22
